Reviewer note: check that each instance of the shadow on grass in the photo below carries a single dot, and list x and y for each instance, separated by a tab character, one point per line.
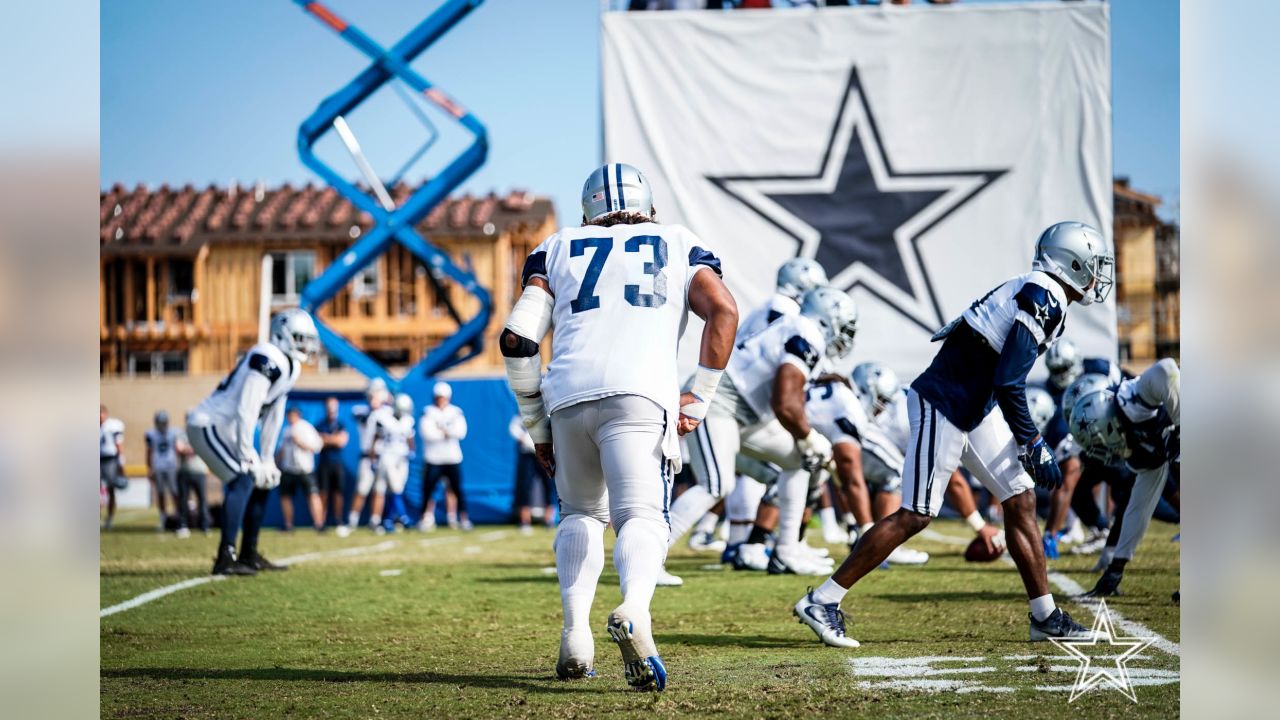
729	640
531	683
950	596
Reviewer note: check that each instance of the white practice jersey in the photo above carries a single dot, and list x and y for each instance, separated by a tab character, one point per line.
1041	311
110	432
162	448
254	391
794	339
762	317
894	423
390	435
835	410
621	301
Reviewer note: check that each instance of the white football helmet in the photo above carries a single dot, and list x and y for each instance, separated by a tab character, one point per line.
294	332
798	276
1095	426
1077	255
403	405
1041	406
837	315
616	187
877	384
1085	384
1064	363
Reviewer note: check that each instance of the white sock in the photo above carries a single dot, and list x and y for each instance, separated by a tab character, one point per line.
353	518
687	508
829	592
1042	607
827	516
707	524
739	532
375	520
793	495
638	555
579	550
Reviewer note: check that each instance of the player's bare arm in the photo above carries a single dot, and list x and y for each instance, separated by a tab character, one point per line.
710	299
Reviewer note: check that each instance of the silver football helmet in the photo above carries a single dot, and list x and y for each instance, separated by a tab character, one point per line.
837	315
798	276
1095	426
877	384
1064	363
616	187
1085	384
1041	406
403	405
294	332
1077	255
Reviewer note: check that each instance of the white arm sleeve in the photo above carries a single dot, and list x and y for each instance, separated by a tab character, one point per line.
271	424
253	393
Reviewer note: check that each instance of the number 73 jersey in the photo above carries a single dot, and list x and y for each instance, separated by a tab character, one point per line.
621	300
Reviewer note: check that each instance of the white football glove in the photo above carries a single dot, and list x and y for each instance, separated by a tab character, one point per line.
815	448
267	476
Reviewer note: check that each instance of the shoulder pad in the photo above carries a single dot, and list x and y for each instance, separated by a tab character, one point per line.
1042	305
534	266
259	362
801	348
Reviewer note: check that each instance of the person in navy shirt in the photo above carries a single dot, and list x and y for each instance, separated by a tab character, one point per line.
329	471
970	407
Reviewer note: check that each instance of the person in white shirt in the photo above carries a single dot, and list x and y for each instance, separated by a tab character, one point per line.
162	468
296	457
443	426
393	443
528	472
111	460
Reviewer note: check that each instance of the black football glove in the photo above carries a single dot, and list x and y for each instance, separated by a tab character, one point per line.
1108	585
1037	460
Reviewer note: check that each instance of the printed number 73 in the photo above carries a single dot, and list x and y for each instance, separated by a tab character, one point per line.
588	300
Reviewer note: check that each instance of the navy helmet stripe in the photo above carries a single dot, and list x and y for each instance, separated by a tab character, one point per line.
622	198
608	194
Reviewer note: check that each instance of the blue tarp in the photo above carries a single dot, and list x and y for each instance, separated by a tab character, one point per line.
488	451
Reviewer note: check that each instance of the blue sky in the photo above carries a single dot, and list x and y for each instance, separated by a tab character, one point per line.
210	92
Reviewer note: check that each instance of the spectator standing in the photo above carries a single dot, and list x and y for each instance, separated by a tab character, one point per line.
296	458
192	478
443	426
528	472
329	472
162	468
110	460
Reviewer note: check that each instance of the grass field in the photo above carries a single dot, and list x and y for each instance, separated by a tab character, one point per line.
467	625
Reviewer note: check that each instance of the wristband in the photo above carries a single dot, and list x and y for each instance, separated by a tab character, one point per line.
705	382
975	521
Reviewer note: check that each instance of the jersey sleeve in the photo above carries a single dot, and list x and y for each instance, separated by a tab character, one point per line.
536	264
803	349
1039	310
699	257
1010	384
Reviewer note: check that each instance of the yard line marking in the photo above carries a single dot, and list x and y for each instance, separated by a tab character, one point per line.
495	535
390	573
158	593
428	542
1073	590
1134	681
1133	672
472	550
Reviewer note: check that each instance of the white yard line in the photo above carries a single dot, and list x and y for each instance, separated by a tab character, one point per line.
158	593
1072	590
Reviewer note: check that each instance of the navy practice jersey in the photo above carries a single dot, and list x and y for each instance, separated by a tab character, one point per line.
987	352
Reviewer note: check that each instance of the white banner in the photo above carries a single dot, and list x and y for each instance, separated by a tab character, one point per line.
916	152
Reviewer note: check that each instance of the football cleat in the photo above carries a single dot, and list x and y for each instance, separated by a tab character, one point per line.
906	556
1074	535
751	556
577	655
427	523
227	564
182	533
342	531
730	554
1057	625
705	542
792	561
1108	585
819	552
826	621
1093	543
1050	544
256	561
466	526
640	662
666	579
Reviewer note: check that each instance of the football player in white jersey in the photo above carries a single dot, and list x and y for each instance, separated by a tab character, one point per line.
366	471
606	419
393	431
761	408
220	430
1138	424
796	277
970	407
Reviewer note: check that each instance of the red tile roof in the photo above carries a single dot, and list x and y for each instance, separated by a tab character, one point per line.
181	220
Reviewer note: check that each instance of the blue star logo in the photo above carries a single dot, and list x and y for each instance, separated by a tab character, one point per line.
859	216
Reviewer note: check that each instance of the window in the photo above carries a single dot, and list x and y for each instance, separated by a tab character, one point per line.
290	273
365	283
155	364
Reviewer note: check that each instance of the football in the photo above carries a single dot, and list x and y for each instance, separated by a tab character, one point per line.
977	551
